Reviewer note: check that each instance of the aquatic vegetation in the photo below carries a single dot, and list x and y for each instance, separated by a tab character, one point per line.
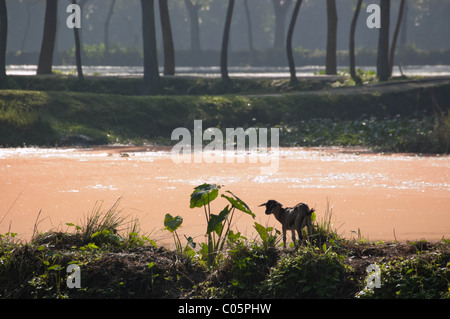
427	134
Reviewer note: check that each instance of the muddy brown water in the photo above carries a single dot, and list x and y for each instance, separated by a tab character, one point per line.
385	197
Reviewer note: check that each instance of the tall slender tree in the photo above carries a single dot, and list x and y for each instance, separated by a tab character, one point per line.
106	26
332	24
169	51
394	39
225	41
193	9
404	30
151	72
48	39
383	41
78	50
27	24
352	43
3	40
289	42
251	47
281	8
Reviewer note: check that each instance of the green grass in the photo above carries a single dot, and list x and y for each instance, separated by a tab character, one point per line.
169	85
393	121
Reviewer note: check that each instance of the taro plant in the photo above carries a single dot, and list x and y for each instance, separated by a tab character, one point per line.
172	224
218	226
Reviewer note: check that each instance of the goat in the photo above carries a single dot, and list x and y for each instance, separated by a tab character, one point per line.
291	218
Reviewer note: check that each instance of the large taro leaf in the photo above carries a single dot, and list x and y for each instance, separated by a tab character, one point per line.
215	222
236	202
262	231
204	194
172	223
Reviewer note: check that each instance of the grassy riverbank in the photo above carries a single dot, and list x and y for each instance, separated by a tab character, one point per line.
414	119
117	261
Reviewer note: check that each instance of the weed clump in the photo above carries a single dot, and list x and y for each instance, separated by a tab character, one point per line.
421	277
308	274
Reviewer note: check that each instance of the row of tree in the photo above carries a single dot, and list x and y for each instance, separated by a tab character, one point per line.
151	73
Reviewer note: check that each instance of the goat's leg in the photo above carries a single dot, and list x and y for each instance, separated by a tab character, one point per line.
284	237
308	224
300	236
293	238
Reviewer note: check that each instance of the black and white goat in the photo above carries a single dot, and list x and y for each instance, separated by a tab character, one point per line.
291	218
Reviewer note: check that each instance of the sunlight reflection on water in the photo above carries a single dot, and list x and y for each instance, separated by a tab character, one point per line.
304	71
355	170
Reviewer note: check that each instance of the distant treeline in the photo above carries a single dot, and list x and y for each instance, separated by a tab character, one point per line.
126	56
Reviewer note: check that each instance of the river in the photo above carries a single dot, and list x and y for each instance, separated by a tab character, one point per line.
384	196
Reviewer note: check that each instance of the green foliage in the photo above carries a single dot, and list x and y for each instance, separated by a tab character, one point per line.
110	228
217	226
103	225
204	194
323	229
308	274
172	224
269	236
385	122
429	134
417	278
245	268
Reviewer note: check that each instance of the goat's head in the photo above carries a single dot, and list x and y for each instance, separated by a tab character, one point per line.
271	205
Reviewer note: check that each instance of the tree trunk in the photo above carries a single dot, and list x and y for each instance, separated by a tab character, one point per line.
383	41
404	29
151	72
352	44
225	40
281	8
394	40
332	22
251	47
169	52
48	39
78	53
78	50
3	41
27	26
195	27
106	27
289	41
